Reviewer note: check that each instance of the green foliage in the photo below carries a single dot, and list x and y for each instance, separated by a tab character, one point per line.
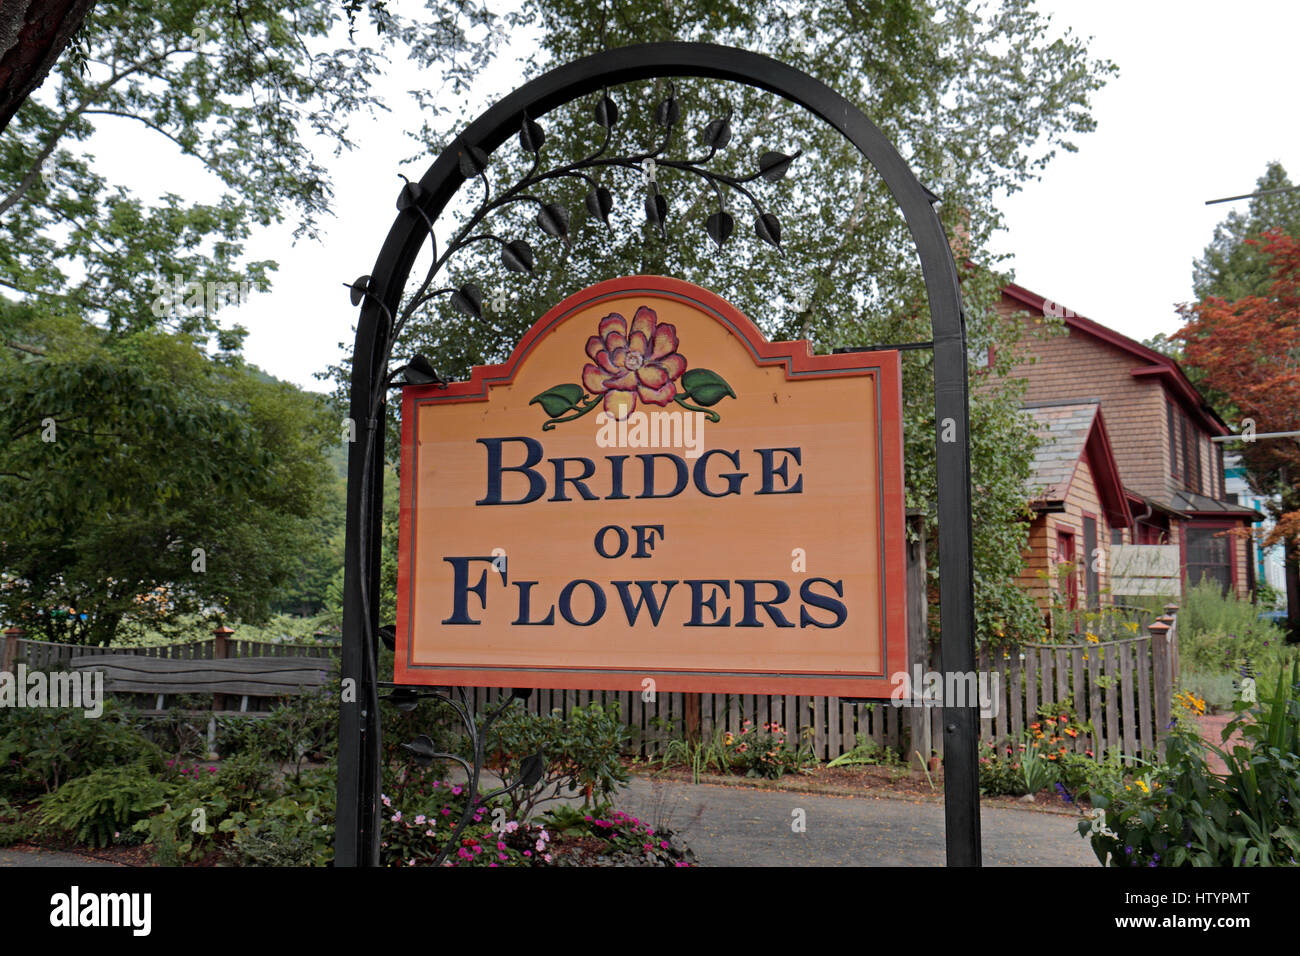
711	753
1221	633
581	753
299	729
95	808
768	751
236	91
1232	267
121	456
1192	816
41	748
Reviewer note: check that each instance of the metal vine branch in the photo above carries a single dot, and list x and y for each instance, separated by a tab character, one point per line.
554	218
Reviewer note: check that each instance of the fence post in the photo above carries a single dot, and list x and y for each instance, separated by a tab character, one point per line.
220	651
920	739
1171	615
9	654
1163	676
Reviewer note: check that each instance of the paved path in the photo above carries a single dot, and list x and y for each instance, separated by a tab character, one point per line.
735	826
741	826
45	858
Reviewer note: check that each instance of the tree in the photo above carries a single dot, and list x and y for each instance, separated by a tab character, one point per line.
32	35
237	87
1232	266
977	101
1248	350
137	469
140	479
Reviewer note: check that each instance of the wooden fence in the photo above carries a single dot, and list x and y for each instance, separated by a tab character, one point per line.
42	655
832	725
1122	687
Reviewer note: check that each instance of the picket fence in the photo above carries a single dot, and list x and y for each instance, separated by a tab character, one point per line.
1121	690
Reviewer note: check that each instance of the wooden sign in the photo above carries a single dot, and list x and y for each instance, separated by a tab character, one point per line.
648	493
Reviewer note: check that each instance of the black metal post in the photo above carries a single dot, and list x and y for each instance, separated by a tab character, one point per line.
357	809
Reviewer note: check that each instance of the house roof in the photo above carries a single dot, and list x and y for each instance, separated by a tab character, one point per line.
1153	362
1190	502
1069	431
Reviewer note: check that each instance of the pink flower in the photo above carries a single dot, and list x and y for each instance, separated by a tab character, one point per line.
420	819
455	791
502	856
547	858
528	852
643	363
663	844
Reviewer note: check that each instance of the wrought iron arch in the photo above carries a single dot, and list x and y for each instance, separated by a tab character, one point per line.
357	836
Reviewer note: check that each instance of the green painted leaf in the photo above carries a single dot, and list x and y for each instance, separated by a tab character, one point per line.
705	386
558	399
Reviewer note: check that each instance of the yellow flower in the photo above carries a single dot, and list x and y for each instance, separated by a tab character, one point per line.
1145	788
1092	638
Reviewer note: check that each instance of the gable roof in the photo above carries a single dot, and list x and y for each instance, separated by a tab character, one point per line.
1151	362
1071	430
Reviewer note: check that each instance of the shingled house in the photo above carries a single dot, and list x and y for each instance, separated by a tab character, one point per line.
1078	504
1158	428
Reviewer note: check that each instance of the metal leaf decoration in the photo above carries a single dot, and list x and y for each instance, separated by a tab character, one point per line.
531	770
554	220
388	633
774	165
468	300
600	203
531	135
668	112
718	133
359	289
518	256
720	226
606	112
768	228
472	161
404	699
656	208
422	749
410	194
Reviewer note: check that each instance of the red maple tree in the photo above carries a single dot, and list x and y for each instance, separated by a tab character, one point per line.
1249	351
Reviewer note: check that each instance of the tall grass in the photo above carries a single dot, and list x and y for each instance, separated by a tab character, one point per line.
1221	639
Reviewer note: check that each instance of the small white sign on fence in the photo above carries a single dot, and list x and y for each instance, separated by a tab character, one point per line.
1145	569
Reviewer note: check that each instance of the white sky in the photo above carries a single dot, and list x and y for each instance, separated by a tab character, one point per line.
1204	100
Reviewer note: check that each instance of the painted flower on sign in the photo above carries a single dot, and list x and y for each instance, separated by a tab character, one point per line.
627	365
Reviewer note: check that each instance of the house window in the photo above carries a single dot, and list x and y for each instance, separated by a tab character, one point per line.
1091	583
1209	556
1116	535
1065	555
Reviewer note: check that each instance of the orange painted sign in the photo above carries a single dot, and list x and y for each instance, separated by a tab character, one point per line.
648	493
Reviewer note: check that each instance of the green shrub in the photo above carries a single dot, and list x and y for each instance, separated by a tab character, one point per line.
1187	815
95	808
1220	633
581	753
42	748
